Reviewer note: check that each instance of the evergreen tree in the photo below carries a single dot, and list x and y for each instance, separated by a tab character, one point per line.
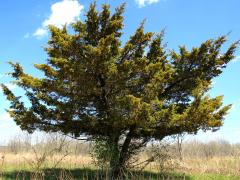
126	95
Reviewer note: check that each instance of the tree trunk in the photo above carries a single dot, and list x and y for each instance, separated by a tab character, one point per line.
120	165
113	144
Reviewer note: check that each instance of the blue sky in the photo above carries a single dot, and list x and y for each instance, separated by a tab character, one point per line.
23	35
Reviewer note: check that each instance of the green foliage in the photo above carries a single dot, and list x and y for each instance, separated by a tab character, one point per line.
96	86
105	155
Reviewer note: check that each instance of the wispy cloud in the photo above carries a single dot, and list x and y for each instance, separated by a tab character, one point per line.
64	12
40	32
142	3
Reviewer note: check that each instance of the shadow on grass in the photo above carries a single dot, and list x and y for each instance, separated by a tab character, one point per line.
85	173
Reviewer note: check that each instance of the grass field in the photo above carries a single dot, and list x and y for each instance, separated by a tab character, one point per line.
65	159
29	166
91	174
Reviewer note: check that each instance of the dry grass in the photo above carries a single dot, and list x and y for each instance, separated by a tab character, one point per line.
9	162
198	160
216	165
27	159
23	166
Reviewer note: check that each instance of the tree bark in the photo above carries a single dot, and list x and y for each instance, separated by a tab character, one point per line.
114	151
123	156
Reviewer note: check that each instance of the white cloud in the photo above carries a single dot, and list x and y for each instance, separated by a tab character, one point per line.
142	3
40	32
64	12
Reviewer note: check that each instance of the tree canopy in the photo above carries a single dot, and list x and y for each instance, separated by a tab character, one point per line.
129	94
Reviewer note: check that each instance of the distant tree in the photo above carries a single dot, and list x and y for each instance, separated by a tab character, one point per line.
127	95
